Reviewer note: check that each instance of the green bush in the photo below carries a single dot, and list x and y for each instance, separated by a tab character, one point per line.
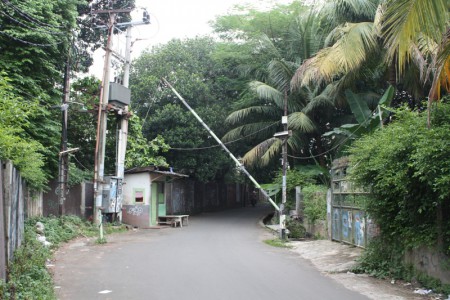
296	229
407	167
28	277
315	202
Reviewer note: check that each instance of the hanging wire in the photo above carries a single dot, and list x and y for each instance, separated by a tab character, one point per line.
29	17
227	143
84	167
41	29
30	43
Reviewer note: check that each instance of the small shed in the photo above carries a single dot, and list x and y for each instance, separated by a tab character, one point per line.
144	194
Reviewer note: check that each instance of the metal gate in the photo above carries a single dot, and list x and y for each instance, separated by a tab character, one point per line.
350	223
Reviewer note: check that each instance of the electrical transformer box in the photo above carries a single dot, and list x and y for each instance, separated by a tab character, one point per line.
112	195
119	95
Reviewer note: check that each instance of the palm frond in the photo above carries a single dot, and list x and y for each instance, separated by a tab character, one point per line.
320	101
281	72
357	41
266	44
300	121
253	130
404	20
267	149
305	35
267	92
240	115
296	142
350	10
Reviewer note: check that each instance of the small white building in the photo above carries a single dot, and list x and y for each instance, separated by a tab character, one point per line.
144	195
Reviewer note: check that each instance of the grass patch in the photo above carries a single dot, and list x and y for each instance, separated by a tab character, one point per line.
277	243
28	277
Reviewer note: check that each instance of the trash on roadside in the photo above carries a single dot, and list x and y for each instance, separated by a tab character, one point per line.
422	291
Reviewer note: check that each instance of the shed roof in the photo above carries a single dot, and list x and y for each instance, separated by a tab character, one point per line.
155	169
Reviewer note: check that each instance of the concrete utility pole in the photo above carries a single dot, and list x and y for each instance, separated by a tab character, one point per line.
63	155
123	132
99	168
284	121
99	178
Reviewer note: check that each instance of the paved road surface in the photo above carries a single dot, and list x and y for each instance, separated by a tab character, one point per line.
219	256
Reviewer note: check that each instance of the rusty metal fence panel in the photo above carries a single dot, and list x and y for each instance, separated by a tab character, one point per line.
350	223
79	200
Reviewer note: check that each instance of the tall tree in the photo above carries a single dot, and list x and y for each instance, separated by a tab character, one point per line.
35	38
418	32
293	38
191	68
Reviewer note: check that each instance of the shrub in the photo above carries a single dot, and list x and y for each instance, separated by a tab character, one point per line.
28	277
296	229
407	167
315	202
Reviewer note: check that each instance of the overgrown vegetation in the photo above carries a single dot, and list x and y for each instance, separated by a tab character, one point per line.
29	278
407	167
315	202
296	229
277	243
14	143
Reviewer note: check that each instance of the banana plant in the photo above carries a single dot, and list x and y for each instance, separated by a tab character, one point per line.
368	120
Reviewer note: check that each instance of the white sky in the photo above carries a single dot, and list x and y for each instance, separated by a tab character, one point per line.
175	19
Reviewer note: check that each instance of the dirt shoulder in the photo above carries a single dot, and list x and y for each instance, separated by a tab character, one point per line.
336	260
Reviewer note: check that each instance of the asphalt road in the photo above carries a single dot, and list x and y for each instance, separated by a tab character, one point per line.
219	256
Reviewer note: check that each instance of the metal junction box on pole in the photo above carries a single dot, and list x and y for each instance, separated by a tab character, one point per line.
119	95
112	194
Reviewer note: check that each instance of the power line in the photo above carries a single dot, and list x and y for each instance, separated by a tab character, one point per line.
29	17
29	43
227	143
86	169
30	27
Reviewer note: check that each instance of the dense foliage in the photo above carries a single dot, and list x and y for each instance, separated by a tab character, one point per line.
15	144
406	166
206	85
315	203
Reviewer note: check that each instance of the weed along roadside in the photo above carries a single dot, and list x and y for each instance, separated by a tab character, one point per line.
30	270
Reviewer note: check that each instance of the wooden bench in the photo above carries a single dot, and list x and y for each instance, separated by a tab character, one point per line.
174	220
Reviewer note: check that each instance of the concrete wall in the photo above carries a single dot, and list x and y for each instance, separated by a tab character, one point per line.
431	262
133	182
136	215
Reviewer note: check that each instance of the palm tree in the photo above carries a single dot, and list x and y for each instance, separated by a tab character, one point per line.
419	31
265	100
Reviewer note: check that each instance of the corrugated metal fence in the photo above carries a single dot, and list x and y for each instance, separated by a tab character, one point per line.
16	203
79	200
186	196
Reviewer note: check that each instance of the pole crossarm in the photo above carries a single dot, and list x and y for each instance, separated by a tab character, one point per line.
238	163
